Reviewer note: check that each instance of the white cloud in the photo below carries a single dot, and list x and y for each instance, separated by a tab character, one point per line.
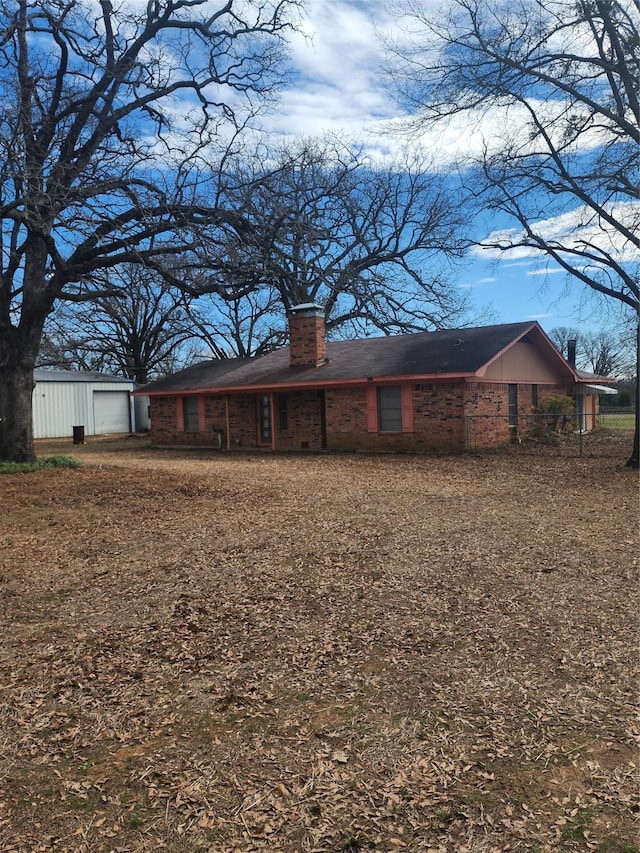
576	229
545	272
336	84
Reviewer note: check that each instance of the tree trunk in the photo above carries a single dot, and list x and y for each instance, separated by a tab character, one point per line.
16	418
19	345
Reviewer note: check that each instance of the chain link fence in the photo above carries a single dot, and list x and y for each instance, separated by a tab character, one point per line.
606	434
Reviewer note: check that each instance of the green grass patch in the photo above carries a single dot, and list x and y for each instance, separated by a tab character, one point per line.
39	464
613	420
575	829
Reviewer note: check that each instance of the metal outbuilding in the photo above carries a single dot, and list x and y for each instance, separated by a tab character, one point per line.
64	399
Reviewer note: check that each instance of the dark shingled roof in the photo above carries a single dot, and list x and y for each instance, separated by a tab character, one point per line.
454	351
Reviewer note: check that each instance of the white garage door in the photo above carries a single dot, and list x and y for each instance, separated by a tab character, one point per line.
111	411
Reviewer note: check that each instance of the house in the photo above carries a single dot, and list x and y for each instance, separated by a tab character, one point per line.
404	393
64	399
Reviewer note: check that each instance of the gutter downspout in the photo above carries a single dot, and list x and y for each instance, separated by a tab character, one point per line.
228	420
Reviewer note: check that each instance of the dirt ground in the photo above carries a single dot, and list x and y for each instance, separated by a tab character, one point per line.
204	652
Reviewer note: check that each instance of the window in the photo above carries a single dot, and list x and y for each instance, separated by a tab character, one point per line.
283	412
534	396
390	408
190	410
264	419
513	405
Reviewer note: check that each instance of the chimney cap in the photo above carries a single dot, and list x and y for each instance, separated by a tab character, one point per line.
307	308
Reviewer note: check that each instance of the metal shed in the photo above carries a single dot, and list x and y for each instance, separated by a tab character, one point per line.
63	399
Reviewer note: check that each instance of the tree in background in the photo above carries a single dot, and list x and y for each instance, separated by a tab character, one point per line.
606	352
559	81
142	331
320	224
107	115
251	325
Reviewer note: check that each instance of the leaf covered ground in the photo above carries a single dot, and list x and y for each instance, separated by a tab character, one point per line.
204	652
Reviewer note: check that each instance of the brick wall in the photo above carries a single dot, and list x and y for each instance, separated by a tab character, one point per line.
438	422
488	405
304	421
303	416
164	423
243	420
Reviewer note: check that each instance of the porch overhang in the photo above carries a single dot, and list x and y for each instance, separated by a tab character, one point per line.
601	389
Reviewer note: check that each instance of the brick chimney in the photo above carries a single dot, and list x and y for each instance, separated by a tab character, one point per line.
571	351
307	336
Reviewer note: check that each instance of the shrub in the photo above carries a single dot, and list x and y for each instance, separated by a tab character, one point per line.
559	407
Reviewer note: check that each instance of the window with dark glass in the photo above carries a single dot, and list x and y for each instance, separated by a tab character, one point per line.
390	408
191	415
513	405
283	412
264	416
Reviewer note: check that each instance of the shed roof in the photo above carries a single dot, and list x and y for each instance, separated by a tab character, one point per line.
42	374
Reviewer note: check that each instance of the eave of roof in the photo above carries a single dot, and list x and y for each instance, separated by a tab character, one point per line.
307	384
584	377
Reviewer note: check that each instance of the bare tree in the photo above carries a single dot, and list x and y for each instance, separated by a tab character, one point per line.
107	113
606	352
142	331
252	325
322	225
560	81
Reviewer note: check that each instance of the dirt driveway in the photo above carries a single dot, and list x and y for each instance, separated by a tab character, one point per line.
318	653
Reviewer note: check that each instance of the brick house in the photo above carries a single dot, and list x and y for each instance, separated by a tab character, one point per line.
405	393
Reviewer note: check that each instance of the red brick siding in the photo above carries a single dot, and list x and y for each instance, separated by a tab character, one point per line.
165	427
243	420
164	419
488	405
304	421
438	422
440	413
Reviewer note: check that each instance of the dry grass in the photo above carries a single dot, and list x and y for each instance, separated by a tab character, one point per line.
319	653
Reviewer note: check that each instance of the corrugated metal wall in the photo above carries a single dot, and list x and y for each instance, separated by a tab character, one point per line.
59	406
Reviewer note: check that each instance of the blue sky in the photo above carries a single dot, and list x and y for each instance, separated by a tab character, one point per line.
337	86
